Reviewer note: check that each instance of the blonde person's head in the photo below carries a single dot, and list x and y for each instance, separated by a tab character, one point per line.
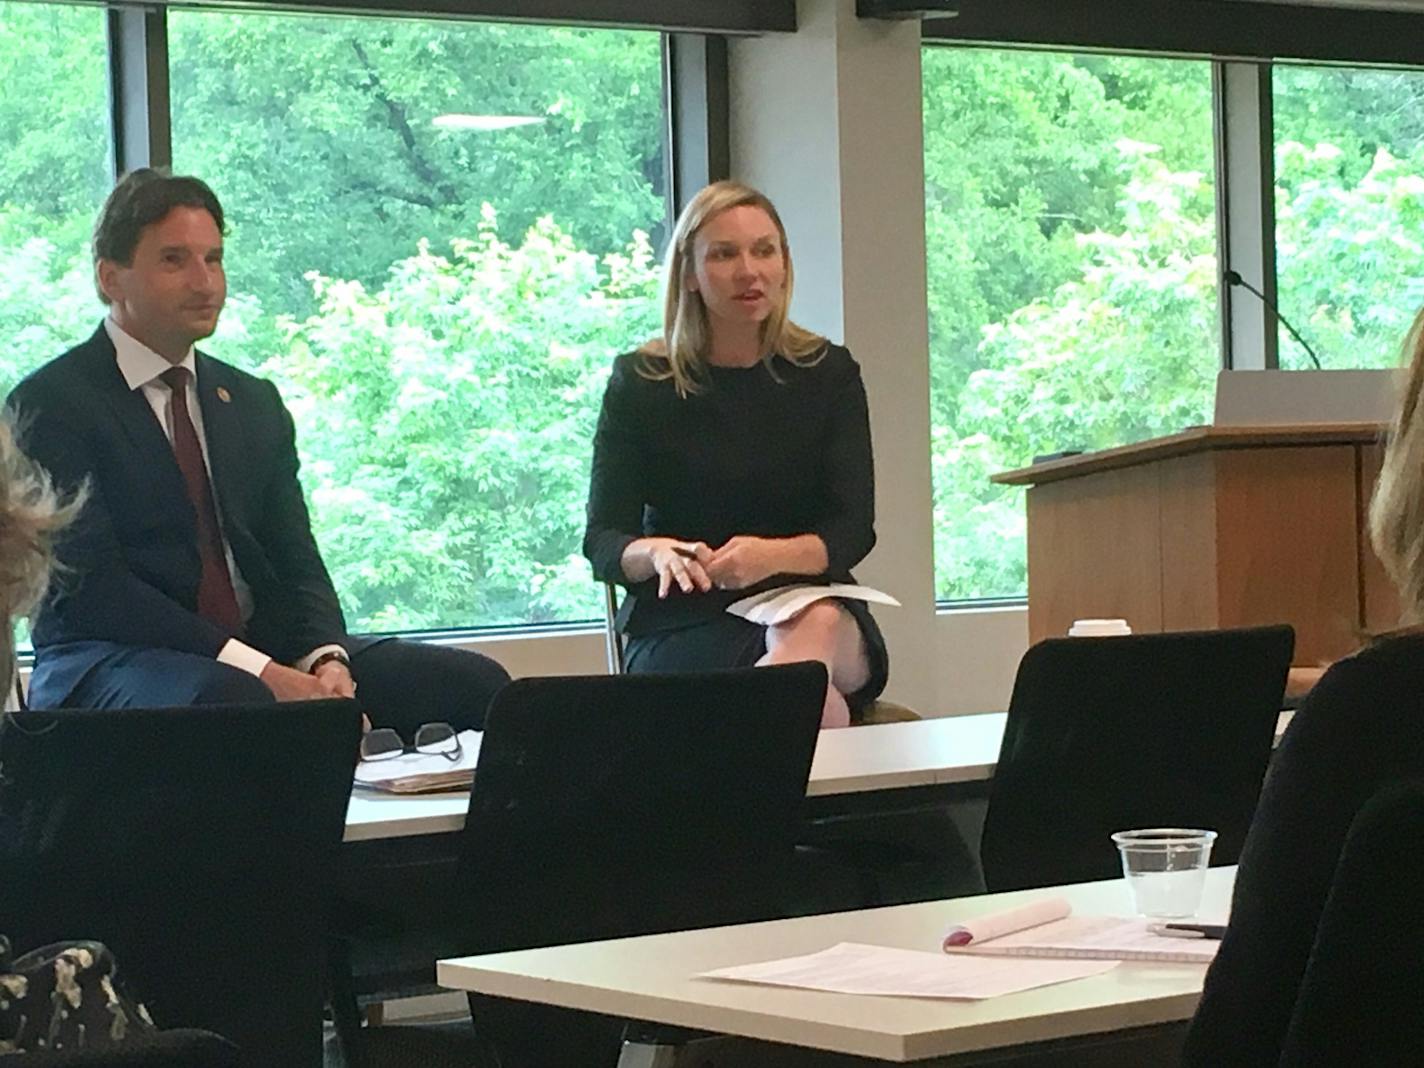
681	353
1397	509
31	514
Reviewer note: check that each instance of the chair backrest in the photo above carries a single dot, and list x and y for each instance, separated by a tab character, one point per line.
1360	998
199	844
1106	734
615	805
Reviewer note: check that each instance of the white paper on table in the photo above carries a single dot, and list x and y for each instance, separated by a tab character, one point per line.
411	765
778	605
852	968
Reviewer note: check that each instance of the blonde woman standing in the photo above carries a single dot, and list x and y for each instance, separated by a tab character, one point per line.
732	455
1360	729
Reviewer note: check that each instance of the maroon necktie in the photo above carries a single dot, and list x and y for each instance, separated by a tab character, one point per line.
216	600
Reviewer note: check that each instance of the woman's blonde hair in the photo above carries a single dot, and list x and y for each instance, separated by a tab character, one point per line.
681	353
1397	508
31	514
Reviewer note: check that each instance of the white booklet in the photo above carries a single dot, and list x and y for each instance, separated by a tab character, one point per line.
423	773
778	605
852	968
1046	928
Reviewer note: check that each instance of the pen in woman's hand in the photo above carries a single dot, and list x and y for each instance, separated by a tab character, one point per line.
685	551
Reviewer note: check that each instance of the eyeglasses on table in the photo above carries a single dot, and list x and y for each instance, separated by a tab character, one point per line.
431	739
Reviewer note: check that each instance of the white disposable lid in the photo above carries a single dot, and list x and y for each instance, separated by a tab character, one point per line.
1098	627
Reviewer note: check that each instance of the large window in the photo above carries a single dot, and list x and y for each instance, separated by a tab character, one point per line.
440	235
1349	211
1072	277
54	173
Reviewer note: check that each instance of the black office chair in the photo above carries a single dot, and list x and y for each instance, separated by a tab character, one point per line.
1152	730
618	805
198	844
1360	997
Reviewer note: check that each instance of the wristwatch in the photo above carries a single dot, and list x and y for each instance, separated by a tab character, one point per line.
328	657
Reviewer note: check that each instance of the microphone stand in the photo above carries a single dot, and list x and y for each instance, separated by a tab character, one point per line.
1234	278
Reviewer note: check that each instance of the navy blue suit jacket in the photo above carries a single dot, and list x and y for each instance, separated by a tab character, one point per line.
129	564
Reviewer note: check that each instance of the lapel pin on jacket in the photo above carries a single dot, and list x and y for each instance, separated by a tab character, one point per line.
224	395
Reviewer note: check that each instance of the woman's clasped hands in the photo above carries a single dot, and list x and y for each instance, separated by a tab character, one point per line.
695	567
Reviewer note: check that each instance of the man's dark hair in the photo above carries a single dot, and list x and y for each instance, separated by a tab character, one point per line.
142	198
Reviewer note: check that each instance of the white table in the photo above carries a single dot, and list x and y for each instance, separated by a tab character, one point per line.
880	756
652	978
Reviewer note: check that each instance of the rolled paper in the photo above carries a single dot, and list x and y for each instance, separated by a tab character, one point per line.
996	924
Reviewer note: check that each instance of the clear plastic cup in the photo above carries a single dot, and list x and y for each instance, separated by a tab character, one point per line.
1165	867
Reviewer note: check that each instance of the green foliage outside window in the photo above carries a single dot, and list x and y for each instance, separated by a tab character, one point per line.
1349	211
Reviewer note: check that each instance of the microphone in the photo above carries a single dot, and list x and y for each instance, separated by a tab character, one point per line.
1233	278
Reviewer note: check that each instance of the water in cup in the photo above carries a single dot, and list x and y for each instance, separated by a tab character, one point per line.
1165	868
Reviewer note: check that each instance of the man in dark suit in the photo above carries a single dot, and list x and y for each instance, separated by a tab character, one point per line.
191	575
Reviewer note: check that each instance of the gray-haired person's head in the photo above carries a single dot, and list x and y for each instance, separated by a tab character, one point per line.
31	514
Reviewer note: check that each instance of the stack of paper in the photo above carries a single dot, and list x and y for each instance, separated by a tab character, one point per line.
423	773
778	605
851	968
1045	928
983	957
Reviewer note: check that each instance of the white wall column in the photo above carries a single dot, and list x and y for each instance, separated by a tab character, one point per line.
827	122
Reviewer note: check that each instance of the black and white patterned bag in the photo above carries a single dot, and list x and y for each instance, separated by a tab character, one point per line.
64	997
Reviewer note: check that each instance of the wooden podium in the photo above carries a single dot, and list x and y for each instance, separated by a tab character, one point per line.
1212	527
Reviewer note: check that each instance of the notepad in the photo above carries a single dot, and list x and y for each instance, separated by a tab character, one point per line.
780	604
851	968
422	773
1047	929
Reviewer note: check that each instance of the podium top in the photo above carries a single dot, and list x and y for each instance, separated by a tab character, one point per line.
1192	440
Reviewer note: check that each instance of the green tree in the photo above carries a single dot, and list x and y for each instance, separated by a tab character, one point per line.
1030	163
1021	159
319	135
1125	351
446	419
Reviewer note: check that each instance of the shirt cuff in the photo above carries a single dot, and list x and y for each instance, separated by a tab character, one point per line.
305	663
235	654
